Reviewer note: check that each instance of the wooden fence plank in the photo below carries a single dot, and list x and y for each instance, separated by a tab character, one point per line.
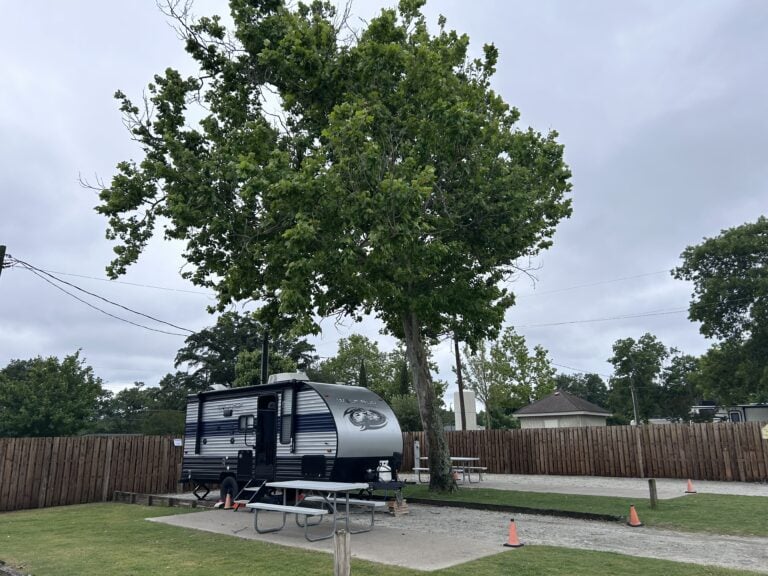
40	472
7	466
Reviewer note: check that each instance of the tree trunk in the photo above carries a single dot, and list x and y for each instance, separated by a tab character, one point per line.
440	478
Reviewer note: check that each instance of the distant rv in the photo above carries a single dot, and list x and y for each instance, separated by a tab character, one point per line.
287	429
736	413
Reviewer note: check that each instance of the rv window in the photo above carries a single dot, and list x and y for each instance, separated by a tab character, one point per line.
245	423
286	416
735	416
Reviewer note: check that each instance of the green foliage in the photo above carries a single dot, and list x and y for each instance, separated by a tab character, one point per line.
147	410
730	278
395	182
406	408
359	356
733	373
48	397
506	376
637	364
678	387
363	377
248	367
229	353
589	387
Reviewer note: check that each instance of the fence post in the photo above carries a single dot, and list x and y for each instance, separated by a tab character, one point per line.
654	494
341	553
416	454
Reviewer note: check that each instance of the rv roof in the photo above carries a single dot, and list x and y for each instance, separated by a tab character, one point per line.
286	376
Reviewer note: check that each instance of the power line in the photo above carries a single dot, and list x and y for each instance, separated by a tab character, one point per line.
166	288
579	370
607	319
597	283
29	266
42	275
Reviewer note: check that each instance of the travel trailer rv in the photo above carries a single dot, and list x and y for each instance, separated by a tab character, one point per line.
287	429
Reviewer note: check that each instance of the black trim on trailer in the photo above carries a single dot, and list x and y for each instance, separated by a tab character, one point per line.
294	410
199	427
250	391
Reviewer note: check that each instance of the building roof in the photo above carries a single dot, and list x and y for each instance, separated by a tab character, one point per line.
561	403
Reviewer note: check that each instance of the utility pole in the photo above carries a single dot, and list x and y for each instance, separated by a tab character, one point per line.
460	382
637	430
634	399
265	358
2	258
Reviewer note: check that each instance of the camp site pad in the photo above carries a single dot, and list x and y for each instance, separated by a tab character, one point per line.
432	538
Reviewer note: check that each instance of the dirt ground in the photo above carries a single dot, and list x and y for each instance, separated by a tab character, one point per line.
431	538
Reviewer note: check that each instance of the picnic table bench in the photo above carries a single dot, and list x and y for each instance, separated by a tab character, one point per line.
285	509
331	494
460	465
372	504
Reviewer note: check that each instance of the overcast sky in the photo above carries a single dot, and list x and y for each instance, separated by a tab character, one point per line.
662	107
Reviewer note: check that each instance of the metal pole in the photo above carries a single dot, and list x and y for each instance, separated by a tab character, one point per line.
460	382
634	401
265	357
2	257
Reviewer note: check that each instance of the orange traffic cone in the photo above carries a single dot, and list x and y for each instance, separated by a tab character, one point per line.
690	489
634	521
513	541
228	502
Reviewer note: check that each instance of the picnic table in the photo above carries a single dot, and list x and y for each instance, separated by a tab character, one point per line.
328	494
464	465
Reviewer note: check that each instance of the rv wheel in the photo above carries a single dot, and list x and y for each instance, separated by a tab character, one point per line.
228	486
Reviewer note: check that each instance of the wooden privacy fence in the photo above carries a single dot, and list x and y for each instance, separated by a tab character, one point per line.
722	451
42	472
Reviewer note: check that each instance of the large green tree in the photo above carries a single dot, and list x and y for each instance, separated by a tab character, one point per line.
229	353
635	384
48	397
679	390
337	173
358	355
589	387
729	273
733	373
506	375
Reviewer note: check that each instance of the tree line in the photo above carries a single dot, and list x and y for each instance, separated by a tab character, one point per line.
52	397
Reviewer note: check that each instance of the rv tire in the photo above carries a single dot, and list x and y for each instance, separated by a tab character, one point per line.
228	486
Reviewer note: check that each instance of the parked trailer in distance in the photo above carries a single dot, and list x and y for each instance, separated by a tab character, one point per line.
287	429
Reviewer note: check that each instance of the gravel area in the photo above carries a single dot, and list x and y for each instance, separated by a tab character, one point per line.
483	532
604	486
481	526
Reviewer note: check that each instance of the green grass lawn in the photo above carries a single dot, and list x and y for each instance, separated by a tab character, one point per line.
115	539
713	513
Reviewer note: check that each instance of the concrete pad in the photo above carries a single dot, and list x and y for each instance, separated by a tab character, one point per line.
386	544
